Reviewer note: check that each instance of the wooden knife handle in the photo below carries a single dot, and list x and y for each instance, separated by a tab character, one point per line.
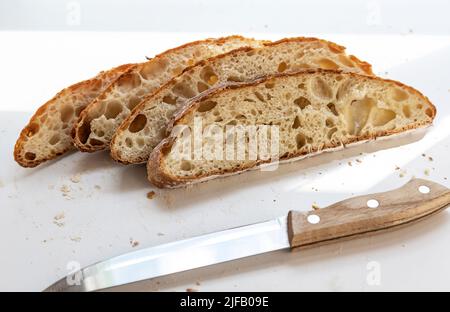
352	217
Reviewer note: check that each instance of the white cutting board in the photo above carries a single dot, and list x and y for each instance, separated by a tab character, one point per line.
107	211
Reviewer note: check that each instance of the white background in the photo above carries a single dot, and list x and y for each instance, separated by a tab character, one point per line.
47	45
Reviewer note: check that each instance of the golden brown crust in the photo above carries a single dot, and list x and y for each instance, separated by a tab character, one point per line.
160	178
84	119
19	154
334	47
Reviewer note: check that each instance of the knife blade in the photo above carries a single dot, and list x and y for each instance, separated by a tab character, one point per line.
350	218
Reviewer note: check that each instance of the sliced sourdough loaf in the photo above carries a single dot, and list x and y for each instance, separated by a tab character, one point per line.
314	111
100	119
146	127
48	133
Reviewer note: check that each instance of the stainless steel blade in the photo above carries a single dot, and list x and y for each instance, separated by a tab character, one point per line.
180	256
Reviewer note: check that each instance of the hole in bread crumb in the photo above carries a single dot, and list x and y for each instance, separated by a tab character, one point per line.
406	111
113	109
301	86
184	90
259	96
185	165
300	139
128	81
128	142
357	114
332	109
133	102
346	61
429	112
381	116
32	129
168	99
327	64
282	67
232	123
321	89
95	142
206	106
399	95
153	67
208	75
331	132
78	110
419	106
84	131
329	122
66	113
302	102
30	156
54	139
201	86
296	123
100	133
138	123
213	79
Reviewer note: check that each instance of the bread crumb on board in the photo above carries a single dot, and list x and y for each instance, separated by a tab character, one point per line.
134	243
65	190
75	178
76	239
58	223
58	219
1	184
151	195
59	216
191	290
426	172
349	163
97	187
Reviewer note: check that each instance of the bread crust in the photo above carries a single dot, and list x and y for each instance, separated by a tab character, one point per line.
77	130
115	150
162	179
19	154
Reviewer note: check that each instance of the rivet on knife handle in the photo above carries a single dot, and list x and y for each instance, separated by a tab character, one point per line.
367	214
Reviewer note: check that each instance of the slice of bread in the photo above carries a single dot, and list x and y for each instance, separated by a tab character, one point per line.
100	119
48	133
146	127
310	112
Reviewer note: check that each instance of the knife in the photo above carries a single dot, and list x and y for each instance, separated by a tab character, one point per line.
350	218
